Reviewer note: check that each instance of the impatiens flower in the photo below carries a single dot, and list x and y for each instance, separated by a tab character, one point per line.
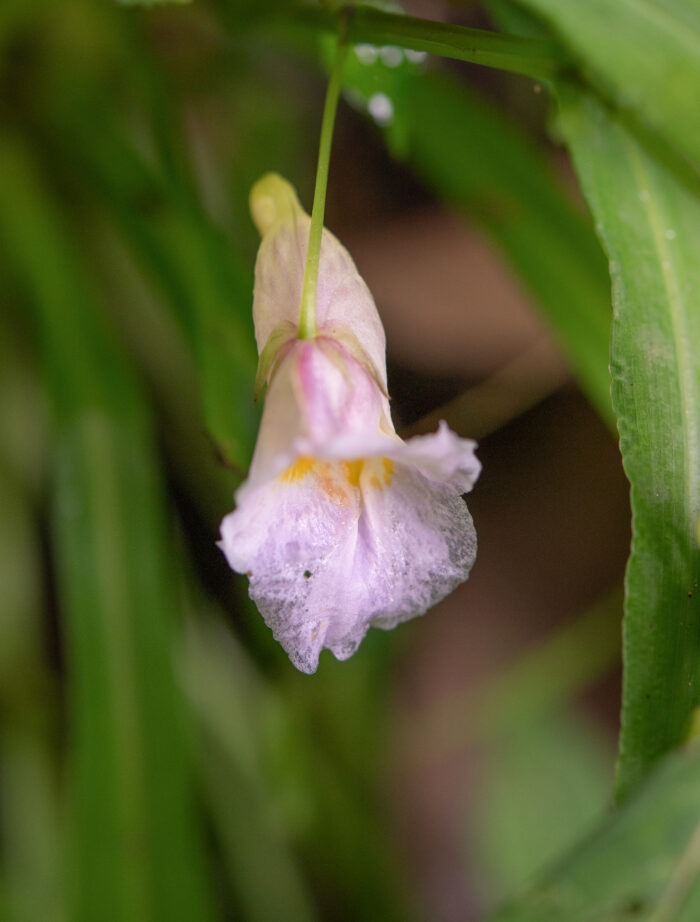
341	524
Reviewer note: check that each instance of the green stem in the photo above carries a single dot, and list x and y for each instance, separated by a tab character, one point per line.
307	312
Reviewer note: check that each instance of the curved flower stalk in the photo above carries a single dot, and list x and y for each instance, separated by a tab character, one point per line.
341	524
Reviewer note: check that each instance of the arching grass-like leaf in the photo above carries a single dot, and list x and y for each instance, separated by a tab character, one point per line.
643	54
649	224
641	865
536	57
478	162
189	260
135	853
230	701
29	829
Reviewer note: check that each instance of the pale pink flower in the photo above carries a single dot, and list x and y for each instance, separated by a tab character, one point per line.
341	525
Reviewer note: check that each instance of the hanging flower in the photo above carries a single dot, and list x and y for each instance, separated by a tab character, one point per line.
341	524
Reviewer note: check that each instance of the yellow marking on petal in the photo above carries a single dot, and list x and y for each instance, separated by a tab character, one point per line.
328	476
332	475
332	486
388	469
353	472
298	470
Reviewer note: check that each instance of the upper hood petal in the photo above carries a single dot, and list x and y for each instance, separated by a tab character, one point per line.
343	301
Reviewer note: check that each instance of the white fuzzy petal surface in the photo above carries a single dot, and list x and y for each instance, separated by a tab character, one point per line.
328	559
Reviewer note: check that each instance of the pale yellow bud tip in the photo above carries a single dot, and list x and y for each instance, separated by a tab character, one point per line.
273	201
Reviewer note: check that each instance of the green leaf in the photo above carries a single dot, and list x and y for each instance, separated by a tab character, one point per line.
643	54
294	763
650	226
643	864
379	82
152	2
474	159
351	842
544	785
545	771
231	705
29	815
532	57
191	261
220	296
169	371
135	848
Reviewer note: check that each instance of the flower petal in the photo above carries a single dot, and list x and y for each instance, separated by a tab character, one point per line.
293	539
422	543
318	394
333	549
441	456
340	525
342	298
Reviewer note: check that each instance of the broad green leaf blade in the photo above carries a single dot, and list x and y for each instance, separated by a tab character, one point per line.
649	224
643	864
475	160
643	54
136	851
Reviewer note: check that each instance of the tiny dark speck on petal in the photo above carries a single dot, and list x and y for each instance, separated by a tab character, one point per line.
307	574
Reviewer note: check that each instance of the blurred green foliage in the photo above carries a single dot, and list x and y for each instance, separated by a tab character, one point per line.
160	759
641	864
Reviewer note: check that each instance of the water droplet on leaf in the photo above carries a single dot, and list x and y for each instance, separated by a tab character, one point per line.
391	55
366	54
381	108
